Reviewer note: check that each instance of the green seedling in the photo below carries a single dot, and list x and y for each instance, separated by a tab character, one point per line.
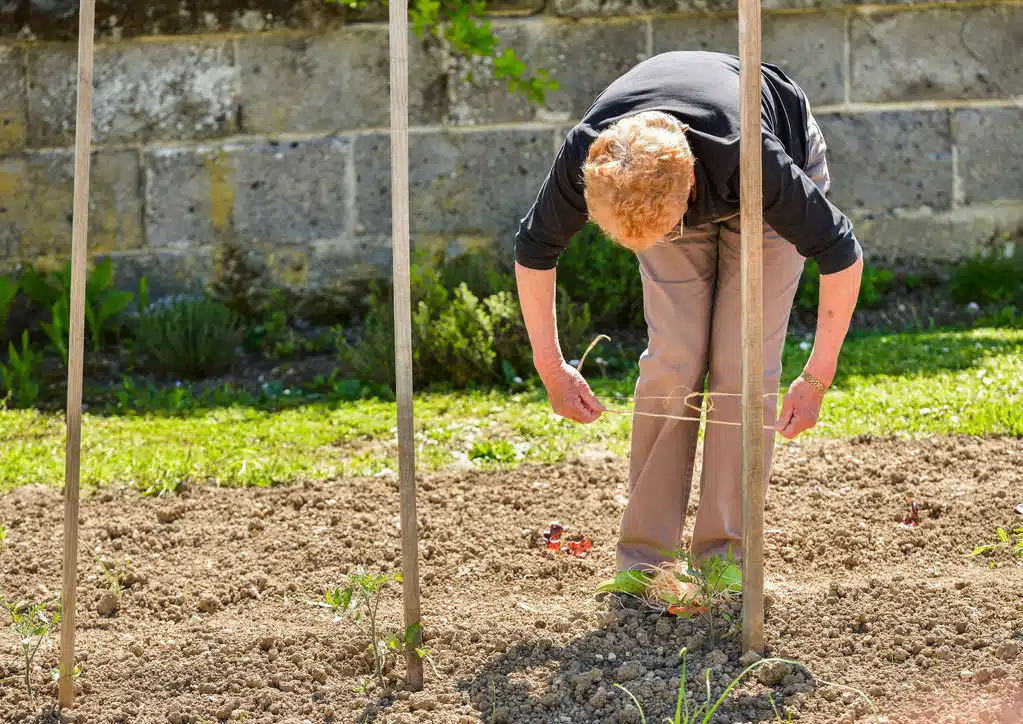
1004	541
713	583
20	376
115	573
31	623
358	597
702	714
3	534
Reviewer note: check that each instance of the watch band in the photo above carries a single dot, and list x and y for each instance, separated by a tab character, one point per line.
814	382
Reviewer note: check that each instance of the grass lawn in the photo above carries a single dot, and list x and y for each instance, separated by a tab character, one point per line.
968	382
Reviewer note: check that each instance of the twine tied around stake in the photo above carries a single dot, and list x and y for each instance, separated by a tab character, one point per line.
704	405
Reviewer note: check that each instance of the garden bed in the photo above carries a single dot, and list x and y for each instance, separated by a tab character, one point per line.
217	616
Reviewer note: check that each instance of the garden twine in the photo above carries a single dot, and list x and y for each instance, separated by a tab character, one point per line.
704	406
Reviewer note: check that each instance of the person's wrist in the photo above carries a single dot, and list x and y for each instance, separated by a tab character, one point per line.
548	365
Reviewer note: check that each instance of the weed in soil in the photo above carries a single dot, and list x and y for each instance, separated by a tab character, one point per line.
703	713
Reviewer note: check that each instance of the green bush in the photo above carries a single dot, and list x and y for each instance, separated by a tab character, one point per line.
606	276
874	285
989	280
20	376
458	337
189	336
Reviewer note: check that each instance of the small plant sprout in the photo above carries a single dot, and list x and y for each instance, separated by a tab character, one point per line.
692	587
3	534
703	713
31	623
358	597
1004	541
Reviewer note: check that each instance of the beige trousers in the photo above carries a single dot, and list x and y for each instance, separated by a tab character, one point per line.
692	305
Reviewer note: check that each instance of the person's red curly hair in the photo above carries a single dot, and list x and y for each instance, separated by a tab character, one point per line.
637	178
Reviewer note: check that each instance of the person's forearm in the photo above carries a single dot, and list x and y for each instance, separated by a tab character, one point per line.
838	294
536	297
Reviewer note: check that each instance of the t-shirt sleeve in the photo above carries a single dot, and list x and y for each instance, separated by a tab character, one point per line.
557	214
798	210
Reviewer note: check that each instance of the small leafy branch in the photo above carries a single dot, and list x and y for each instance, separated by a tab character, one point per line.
31	623
703	713
358	597
1004	541
460	24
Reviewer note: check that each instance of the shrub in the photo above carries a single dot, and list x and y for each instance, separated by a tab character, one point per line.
989	280
874	284
604	275
458	337
189	336
454	341
20	376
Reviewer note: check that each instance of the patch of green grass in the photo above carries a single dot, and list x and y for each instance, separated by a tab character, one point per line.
968	382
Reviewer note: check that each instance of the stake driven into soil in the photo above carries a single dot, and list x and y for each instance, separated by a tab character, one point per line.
398	32
76	344
751	213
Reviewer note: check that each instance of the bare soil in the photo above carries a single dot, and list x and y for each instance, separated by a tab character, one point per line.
216	620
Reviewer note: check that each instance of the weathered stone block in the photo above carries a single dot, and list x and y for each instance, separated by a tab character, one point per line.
611	8
189	196
13	105
333	81
467	183
284	193
292	192
889	160
36	204
947	236
583	57
937	54
117	19
990	147
167	271
143	91
808	47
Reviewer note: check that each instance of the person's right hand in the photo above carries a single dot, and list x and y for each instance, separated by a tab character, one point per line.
569	394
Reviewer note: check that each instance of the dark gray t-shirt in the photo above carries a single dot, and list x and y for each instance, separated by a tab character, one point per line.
701	89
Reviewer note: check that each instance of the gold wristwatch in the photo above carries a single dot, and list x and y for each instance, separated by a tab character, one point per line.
814	382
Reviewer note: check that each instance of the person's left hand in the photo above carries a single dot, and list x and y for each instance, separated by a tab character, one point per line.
800	409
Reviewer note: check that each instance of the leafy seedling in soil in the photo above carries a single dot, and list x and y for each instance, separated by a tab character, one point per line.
703	713
555	542
1004	541
31	623
712	588
358	596
3	534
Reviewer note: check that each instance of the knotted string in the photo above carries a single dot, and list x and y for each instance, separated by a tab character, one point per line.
701	408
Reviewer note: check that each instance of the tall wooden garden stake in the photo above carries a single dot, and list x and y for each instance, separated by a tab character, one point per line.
751	210
76	350
403	331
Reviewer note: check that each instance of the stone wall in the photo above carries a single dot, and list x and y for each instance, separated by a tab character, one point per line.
260	126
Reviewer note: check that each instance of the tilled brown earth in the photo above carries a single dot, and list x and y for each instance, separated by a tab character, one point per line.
217	618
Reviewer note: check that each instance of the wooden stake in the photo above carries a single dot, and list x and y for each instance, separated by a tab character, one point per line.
751	219
403	331
76	351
